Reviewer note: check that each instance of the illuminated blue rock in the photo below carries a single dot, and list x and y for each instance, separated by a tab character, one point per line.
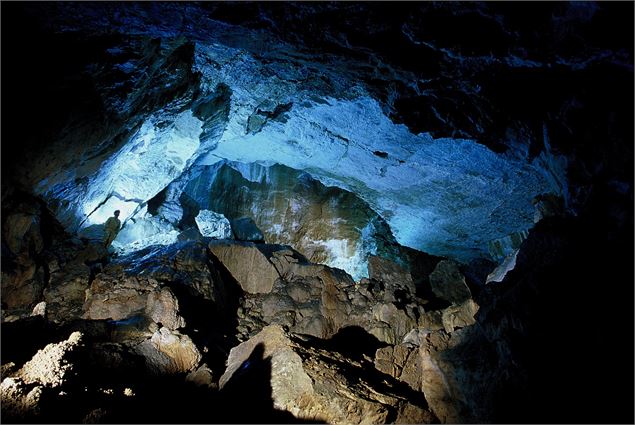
213	225
445	196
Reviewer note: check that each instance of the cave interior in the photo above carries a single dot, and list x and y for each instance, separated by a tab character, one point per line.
329	212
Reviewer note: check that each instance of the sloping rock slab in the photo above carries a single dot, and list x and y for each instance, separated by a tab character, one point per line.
316	384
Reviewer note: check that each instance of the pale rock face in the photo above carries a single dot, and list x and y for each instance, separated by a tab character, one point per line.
499	273
169	352
144	230
250	267
19	399
327	225
213	225
50	366
163	307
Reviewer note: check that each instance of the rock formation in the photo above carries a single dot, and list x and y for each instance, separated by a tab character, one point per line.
331	212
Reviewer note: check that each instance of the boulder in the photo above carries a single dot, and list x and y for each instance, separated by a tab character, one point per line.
202	377
169	352
51	366
448	283
66	292
312	383
117	296
163	307
245	229
390	273
213	225
39	309
459	315
401	361
247	264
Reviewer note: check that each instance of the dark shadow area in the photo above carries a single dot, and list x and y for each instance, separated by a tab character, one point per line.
249	392
21	339
353	342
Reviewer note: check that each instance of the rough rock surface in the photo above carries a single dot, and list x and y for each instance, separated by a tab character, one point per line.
169	352
163	307
66	292
51	365
318	300
213	225
247	265
18	399
245	229
328	225
117	297
448	282
317	385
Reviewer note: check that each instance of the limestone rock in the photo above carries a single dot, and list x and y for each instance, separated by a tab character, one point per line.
247	264
202	377
39	309
185	263
19	401
318	300
448	283
459	316
66	292
117	297
21	230
50	366
169	352
163	307
499	273
401	361
391	273
213	225
191	234
315	384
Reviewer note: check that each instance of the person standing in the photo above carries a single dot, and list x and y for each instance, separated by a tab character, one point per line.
111	228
